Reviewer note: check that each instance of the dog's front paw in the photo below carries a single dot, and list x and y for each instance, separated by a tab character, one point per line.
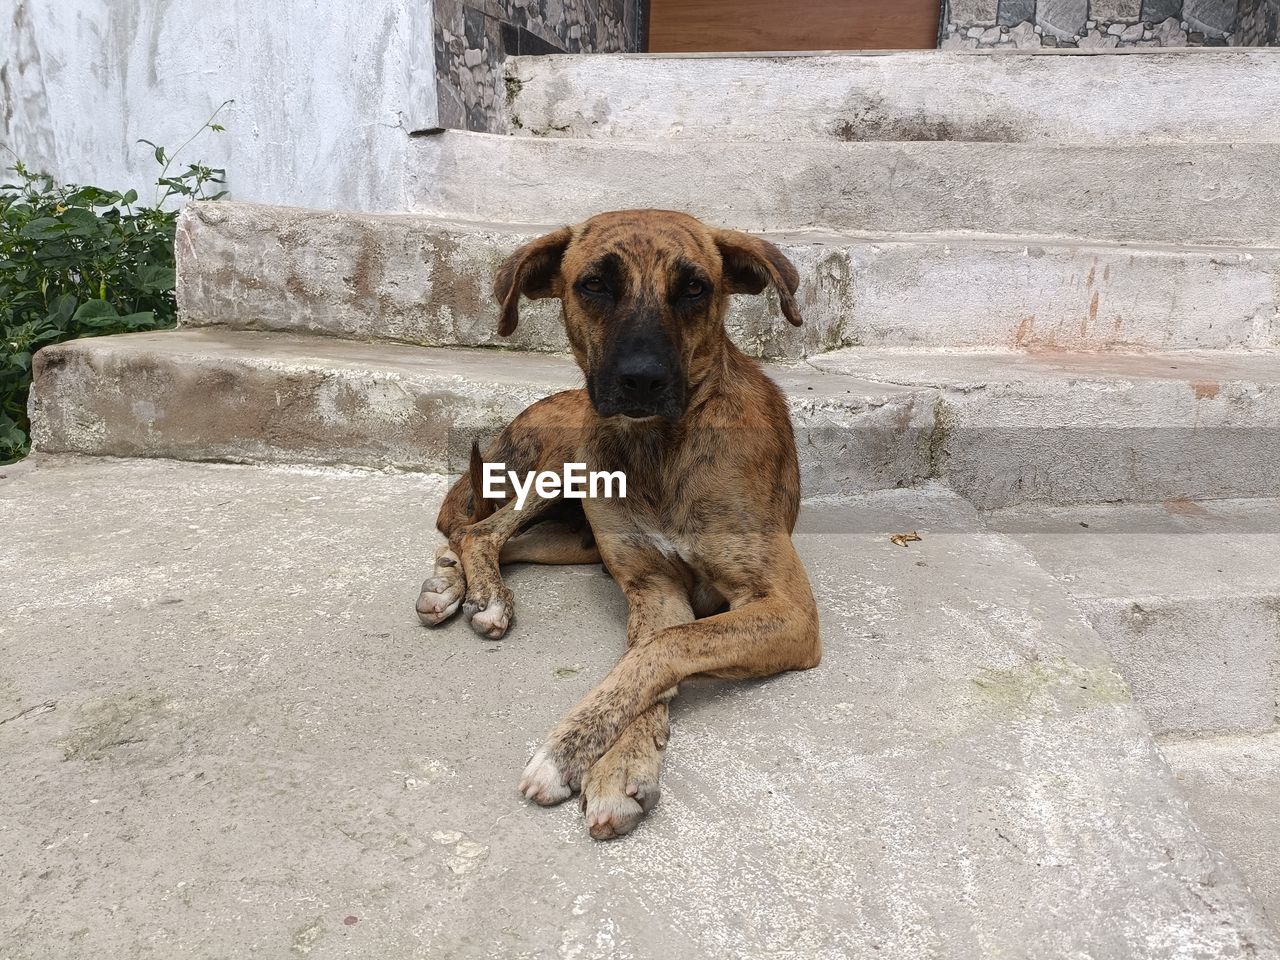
543	782
557	769
489	610
442	594
619	790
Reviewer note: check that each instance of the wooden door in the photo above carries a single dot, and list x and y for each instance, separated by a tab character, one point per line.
721	26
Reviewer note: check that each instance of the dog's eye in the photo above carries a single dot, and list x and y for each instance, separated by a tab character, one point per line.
594	285
694	289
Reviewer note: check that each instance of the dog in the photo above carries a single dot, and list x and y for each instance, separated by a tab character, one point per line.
701	545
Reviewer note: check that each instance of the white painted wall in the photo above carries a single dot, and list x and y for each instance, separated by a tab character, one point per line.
325	91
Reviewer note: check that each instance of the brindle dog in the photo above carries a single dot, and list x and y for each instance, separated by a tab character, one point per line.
701	545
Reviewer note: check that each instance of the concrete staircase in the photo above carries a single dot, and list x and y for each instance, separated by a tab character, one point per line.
1041	292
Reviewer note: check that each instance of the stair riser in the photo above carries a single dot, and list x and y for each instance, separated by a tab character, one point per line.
1226	95
135	404
1079	442
1100	443
1196	665
1211	194
1038	439
1068	429
427	281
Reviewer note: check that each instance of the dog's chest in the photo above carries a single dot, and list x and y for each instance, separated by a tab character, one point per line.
670	544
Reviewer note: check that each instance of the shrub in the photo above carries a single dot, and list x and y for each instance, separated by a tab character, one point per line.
79	262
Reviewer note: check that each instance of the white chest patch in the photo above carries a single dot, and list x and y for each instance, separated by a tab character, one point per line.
674	549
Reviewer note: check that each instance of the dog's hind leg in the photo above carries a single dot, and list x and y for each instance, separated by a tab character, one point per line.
544	542
442	592
488	604
562	538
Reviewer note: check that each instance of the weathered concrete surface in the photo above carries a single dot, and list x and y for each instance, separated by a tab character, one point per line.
252	748
321	111
916	95
1001	429
1185	594
1155	193
258	397
1233	786
428	281
1082	428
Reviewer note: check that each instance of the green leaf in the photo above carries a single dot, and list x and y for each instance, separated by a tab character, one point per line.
40	229
155	278
146	320
94	310
80	222
62	310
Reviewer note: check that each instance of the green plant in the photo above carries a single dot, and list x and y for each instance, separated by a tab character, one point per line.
83	261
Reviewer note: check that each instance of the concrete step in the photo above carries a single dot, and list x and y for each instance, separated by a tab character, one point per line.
258	397
1222	193
1186	595
1054	427
1233	786
1157	95
1001	428
427	281
230	668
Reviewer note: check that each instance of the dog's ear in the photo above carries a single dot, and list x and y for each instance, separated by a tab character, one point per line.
533	270
750	264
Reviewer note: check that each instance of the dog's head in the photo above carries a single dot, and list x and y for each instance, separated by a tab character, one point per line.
645	294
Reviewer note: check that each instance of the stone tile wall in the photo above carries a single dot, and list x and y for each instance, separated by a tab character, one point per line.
473	38
1106	24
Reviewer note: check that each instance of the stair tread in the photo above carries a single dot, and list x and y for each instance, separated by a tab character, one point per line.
1208	369
466	365
1185	594
1180	548
220	211
884	370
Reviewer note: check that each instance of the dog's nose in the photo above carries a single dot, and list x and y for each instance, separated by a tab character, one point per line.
643	379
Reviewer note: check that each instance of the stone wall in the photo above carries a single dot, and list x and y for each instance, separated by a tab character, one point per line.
471	42
1107	24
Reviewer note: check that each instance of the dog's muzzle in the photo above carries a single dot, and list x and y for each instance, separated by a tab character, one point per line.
640	385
